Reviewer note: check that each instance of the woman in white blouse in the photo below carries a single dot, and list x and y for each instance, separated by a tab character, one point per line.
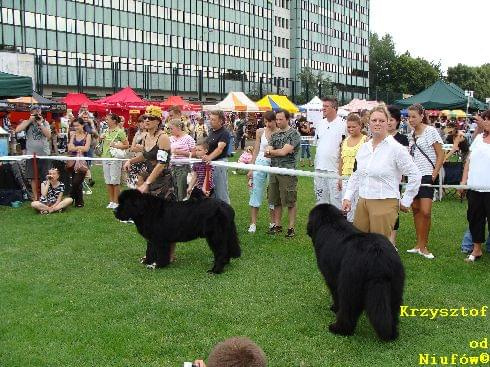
381	162
476	175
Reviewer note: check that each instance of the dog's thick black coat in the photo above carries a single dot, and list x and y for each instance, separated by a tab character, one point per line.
362	270
163	222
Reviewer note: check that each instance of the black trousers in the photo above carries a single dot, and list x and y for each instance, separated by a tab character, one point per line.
478	213
76	187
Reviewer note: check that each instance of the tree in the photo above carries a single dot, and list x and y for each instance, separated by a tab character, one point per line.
382	61
390	74
472	78
314	85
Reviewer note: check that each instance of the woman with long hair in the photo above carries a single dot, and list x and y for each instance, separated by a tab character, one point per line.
79	145
114	137
427	153
257	179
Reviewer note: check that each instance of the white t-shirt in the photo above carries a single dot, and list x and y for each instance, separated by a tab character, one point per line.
424	143
328	136
478	170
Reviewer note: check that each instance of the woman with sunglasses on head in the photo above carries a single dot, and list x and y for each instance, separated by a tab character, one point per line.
426	150
79	145
155	177
114	137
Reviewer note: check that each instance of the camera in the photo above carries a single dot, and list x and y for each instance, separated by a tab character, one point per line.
189	364
37	117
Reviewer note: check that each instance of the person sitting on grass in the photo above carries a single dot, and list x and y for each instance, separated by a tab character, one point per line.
51	199
237	352
199	172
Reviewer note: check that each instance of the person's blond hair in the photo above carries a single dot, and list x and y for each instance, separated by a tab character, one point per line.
382	109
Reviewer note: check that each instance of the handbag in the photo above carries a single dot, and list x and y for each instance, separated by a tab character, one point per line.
116	152
80	164
98	148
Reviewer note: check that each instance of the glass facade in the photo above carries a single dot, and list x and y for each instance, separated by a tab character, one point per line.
185	47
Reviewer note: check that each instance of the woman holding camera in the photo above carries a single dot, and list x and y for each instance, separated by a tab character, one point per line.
78	146
52	194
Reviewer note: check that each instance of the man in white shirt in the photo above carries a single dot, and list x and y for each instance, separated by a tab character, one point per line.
329	134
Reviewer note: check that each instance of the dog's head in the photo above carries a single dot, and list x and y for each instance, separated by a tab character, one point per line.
131	205
323	214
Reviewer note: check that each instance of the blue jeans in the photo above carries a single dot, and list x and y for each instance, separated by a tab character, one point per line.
305	151
467	243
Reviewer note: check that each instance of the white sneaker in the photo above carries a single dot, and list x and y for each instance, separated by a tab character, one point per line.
110	206
252	228
114	205
271	225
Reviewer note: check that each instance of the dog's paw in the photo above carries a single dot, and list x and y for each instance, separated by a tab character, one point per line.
151	266
336	329
214	270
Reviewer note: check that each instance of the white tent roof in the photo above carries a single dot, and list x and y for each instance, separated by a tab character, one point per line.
315	104
234	102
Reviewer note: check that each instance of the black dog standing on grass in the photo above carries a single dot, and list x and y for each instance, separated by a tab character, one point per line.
362	270
163	222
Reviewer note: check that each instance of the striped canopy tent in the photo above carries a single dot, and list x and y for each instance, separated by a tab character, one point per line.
276	102
234	102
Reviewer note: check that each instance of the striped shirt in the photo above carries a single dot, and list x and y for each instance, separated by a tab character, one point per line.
200	169
185	143
425	142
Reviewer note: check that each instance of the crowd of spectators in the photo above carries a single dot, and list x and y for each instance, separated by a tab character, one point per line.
371	150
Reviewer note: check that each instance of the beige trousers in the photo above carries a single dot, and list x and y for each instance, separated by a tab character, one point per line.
376	215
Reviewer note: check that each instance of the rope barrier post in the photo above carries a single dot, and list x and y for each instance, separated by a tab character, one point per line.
36	177
440	187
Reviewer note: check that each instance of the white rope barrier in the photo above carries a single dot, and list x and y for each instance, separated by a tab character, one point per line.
241	166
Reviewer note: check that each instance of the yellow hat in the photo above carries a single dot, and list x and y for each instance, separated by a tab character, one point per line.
154	111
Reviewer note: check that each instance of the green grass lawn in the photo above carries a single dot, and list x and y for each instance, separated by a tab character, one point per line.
72	293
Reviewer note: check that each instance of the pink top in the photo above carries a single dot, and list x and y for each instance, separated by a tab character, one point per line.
246	158
185	143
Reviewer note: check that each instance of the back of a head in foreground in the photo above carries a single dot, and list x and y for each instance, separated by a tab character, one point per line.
237	352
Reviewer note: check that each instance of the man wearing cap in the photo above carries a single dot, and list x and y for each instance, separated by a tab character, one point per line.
38	133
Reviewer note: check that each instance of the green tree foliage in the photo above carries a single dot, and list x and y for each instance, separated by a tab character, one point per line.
472	78
390	74
314	85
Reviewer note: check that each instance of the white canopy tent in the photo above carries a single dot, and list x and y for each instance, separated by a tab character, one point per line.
314	110
234	102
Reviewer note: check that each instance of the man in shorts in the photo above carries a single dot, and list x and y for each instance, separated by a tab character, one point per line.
284	146
38	133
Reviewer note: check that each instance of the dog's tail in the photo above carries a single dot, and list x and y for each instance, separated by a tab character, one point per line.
233	242
378	306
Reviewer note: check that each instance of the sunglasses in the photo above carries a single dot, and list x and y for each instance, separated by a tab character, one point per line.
151	118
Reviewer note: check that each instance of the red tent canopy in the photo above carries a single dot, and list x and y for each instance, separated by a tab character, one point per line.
180	102
73	101
125	98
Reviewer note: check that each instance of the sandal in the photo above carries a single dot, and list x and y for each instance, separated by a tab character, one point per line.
472	258
44	212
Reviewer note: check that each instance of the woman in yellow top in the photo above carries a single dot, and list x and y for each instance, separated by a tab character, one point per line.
348	151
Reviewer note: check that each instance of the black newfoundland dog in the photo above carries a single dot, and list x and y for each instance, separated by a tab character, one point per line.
162	222
362	270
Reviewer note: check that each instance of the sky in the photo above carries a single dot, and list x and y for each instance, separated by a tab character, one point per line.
449	31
